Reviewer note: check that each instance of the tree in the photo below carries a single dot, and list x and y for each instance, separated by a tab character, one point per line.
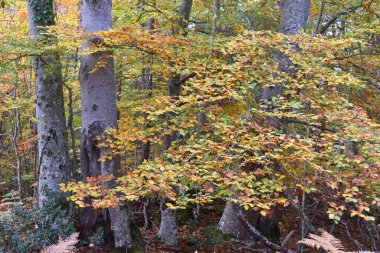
168	228
51	128
99	114
294	15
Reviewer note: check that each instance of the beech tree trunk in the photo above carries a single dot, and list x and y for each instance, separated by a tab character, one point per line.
230	224
294	16
51	128
99	113
168	229
293	20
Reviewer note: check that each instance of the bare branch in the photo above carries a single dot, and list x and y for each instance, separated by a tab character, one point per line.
260	236
333	19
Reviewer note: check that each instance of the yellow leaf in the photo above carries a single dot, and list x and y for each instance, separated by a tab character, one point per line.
170	205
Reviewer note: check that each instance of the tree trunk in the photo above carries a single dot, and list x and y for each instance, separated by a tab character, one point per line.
293	19
70	126
294	16
168	229
184	13
51	128
99	113
230	224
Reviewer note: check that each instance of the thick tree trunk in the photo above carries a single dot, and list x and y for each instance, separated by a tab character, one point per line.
184	13
99	113
168	229
230	224
293	20
51	128
294	16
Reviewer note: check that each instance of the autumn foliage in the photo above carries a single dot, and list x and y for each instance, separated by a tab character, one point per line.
263	120
311	137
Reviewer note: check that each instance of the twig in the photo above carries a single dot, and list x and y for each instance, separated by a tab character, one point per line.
302	213
287	238
19	57
373	240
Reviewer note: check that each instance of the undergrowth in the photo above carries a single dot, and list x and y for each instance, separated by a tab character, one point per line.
23	230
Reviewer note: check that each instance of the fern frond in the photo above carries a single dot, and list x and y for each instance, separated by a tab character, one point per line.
335	242
311	243
326	241
63	246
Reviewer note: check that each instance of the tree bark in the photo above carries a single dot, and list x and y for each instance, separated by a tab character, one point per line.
230	224
294	16
51	128
99	113
168	229
184	12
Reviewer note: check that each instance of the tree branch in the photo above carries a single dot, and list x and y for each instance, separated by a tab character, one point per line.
319	18
260	236
184	79
294	121
335	18
287	238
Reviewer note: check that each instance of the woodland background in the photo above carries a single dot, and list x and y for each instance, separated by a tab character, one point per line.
183	126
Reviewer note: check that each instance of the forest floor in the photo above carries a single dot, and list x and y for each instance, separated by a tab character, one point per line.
203	236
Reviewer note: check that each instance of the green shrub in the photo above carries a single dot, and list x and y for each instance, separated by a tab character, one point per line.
22	230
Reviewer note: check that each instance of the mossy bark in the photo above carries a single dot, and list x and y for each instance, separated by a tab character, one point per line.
51	128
